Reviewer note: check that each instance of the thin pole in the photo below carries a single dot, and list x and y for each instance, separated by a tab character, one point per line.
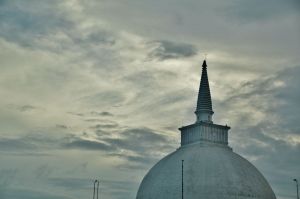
182	179
94	188
97	188
297	188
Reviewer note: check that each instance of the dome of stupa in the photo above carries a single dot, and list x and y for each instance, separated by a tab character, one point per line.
204	166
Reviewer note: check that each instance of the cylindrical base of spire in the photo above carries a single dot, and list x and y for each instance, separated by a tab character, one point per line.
204	116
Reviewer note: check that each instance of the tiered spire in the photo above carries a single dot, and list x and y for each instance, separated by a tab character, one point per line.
204	110
204	130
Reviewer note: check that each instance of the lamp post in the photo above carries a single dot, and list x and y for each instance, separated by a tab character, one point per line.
96	181
97	188
297	188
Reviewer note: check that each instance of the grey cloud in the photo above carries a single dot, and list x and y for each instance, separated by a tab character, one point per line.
253	11
139	140
166	101
106	126
34	144
277	94
289	96
44	140
15	144
276	159
93	120
173	97
144	134
104	98
61	126
23	108
220	33
137	162
171	50
150	81
268	140
76	114
93	116
142	142
48	26
54	29
104	122
27	108
33	22
103	113
99	37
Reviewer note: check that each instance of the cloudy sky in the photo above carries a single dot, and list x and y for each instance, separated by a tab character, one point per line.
98	88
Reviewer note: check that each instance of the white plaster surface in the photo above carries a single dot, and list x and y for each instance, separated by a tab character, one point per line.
211	171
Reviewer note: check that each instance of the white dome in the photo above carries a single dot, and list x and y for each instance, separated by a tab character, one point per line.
211	171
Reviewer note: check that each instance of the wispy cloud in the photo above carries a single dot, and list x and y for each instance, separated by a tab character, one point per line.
92	90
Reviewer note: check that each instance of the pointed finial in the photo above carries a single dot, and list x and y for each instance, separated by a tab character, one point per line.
204	61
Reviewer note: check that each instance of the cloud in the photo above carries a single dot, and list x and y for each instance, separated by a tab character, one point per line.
115	80
105	98
103	113
26	108
264	126
35	22
76	114
88	145
253	11
61	126
164	50
150	81
15	144
138	140
105	126
135	145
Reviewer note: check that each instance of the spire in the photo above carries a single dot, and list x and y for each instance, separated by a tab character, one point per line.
203	130
204	110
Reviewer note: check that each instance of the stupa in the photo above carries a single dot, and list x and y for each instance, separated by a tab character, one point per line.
211	169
